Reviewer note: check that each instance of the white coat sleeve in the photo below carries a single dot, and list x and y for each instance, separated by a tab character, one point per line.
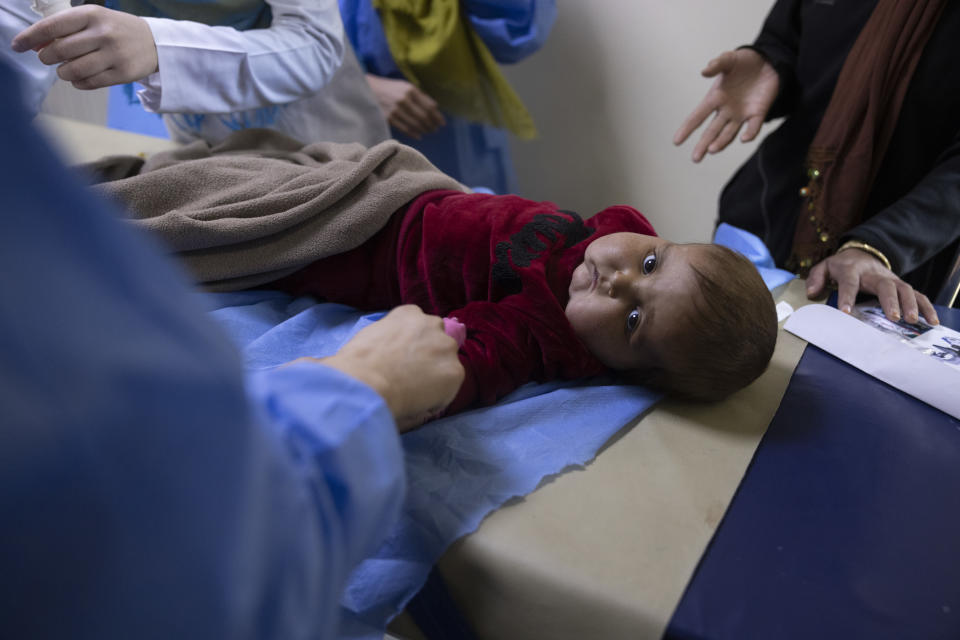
204	69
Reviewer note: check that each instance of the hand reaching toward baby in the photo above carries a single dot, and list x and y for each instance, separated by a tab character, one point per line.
742	94
409	360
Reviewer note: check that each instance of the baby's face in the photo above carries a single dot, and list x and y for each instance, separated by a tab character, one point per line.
631	294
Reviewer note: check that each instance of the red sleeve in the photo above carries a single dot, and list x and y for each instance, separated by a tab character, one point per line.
509	345
498	355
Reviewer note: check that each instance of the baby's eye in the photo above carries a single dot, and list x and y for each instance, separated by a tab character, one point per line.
633	319
649	263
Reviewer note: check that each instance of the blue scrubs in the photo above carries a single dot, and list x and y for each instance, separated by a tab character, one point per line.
147	488
477	155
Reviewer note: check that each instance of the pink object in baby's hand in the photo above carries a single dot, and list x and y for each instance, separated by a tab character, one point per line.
455	329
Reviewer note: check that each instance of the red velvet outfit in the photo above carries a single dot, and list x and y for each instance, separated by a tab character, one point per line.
499	264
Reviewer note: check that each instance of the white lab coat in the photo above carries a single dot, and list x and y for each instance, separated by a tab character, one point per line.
213	80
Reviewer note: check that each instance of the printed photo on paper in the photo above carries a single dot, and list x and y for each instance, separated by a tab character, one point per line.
938	342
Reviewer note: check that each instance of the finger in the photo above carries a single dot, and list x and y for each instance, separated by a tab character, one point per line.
83	67
430	124
927	309
908	302
816	280
726	136
694	120
437	120
848	286
752	128
430	118
886	292
414	113
711	69
412	124
709	135
422	98
430	107
720	64
106	78
401	123
68	48
49	29
847	279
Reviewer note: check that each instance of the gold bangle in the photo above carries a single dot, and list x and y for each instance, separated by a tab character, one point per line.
863	246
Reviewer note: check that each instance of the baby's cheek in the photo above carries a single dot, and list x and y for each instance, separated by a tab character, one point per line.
572	312
575	309
583	320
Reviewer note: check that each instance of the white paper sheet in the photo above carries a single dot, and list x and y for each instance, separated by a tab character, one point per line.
920	360
783	310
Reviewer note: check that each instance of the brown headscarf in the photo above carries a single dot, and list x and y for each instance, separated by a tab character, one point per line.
856	128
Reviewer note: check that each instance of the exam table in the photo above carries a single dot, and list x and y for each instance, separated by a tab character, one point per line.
845	524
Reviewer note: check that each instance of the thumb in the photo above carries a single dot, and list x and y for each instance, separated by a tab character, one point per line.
713	68
721	64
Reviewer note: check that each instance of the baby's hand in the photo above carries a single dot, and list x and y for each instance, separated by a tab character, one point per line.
455	329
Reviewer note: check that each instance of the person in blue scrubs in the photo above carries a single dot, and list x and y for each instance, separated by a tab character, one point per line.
476	154
148	488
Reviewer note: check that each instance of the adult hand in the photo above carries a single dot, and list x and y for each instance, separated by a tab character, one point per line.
409	360
854	270
407	108
94	46
742	94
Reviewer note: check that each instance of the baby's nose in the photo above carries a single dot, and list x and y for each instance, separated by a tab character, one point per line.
619	283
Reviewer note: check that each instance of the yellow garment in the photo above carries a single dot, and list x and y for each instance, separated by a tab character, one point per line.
436	49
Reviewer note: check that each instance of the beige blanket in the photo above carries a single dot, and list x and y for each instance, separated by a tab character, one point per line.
260	206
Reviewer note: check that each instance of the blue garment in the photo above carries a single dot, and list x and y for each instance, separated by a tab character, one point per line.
753	248
459	468
477	155
148	490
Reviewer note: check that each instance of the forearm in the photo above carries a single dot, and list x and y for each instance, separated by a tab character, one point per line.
204	69
779	42
923	222
337	436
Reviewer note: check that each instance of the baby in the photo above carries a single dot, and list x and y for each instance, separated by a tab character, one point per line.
547	295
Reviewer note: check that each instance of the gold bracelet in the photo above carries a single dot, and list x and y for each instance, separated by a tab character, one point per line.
863	246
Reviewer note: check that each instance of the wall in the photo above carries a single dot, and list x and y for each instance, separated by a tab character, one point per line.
609	89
